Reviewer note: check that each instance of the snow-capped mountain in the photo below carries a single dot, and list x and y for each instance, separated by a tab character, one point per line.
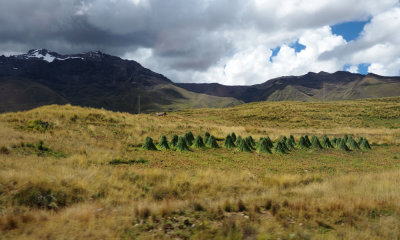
45	55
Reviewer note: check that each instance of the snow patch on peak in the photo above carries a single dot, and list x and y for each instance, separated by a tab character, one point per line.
41	54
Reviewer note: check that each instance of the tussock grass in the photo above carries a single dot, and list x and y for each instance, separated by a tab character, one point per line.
203	193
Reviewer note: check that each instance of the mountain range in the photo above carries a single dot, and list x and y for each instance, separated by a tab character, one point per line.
94	79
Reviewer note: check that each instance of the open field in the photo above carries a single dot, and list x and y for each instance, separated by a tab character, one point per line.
67	188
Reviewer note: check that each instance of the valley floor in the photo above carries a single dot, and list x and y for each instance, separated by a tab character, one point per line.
69	187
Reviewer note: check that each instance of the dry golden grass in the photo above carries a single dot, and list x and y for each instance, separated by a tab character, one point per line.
202	194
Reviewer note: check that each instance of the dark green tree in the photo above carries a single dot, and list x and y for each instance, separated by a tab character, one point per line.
269	143
290	144
307	141
249	140
279	148
342	145
206	136
149	144
292	139
163	143
198	142
238	140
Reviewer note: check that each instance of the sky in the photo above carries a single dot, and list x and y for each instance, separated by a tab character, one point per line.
233	42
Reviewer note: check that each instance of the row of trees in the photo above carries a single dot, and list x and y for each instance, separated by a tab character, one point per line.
264	145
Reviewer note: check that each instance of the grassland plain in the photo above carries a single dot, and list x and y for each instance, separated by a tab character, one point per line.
89	178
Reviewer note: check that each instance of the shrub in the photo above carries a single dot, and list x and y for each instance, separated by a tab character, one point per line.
334	141
212	143
41	147
283	142
39	197
338	140
345	137
242	145
292	138
163	144
342	145
4	150
262	146
365	144
181	146
174	141
198	143
233	136
360	139
279	148
189	138
302	143
326	143
39	125
352	144
251	140
315	143
149	145
229	143
127	162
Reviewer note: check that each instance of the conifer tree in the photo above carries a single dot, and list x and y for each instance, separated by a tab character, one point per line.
346	137
338	140
365	145
174	141
198	143
250	142
315	143
238	140
292	139
262	146
253	143
181	146
163	144
149	144
290	144
360	139
334	141
212	143
233	136
283	143
189	138
229	143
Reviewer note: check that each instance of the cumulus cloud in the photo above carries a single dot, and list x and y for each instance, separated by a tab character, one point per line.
225	41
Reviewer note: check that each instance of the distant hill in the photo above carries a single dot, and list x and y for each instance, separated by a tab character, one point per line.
92	79
310	87
99	80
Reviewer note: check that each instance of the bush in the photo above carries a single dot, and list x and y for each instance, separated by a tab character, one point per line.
233	136
279	148
346	137
174	140
302	143
365	144
212	143
360	139
189	138
262	146
238	140
352	144
198	143
149	145
326	143
39	125
315	143
4	150
334	142
251	140
292	139
163	144
127	162
283	142
338	140
181	146
229	142
41	147
342	145
242	145
39	197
